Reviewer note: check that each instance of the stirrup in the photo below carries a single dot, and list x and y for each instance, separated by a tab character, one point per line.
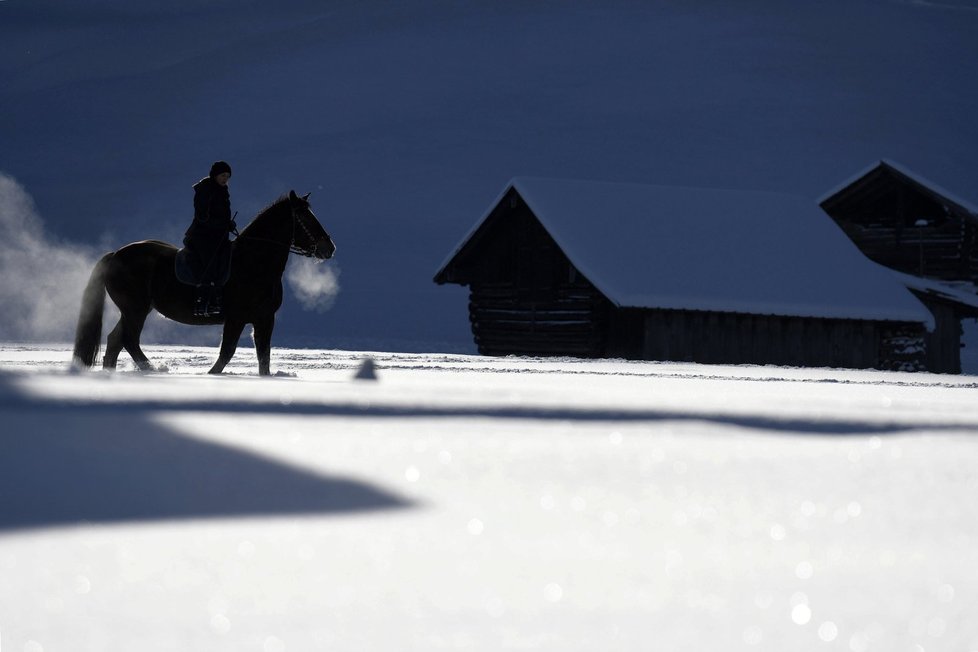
207	310
207	301
201	307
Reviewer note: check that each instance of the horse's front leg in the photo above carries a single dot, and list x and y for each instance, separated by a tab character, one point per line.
229	344
263	344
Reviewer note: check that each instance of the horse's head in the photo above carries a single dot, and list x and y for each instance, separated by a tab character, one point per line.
310	238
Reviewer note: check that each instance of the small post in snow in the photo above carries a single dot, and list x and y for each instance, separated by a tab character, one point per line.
367	370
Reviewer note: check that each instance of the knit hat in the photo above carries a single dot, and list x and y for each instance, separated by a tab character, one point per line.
220	167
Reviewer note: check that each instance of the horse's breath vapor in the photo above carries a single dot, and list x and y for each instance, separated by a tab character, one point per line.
314	284
40	280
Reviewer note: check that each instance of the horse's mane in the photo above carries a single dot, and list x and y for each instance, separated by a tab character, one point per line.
275	205
282	199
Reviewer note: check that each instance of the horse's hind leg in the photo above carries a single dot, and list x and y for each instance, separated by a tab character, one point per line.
132	328
113	347
126	335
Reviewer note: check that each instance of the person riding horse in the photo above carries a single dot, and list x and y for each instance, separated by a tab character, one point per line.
207	238
145	276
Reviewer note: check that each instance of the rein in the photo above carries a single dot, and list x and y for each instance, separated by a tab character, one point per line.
293	248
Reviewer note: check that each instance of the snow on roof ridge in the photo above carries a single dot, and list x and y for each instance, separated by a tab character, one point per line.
839	187
932	186
644	245
907	172
471	232
963	292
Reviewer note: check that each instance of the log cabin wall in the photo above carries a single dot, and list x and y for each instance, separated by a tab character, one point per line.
527	298
739	338
734	338
943	343
905	226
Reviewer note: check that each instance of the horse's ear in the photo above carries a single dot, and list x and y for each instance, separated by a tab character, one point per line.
305	197
293	196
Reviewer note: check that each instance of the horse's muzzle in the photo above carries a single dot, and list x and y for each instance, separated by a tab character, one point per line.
325	249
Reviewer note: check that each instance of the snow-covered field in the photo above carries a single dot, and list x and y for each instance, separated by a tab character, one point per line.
483	504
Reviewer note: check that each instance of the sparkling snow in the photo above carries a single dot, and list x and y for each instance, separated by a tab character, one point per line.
483	504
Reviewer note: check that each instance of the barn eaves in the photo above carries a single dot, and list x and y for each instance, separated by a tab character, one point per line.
563	267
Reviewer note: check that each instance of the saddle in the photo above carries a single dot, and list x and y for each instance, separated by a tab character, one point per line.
190	270
207	278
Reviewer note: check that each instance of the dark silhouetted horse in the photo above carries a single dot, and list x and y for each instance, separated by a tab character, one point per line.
141	277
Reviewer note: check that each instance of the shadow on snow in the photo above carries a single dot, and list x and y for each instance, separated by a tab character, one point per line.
109	462
75	465
759	422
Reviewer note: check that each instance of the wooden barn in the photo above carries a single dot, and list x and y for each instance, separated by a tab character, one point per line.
908	224
590	269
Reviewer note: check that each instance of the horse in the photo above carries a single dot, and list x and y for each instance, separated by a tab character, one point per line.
141	277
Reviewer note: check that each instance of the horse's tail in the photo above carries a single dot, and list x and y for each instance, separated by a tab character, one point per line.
88	333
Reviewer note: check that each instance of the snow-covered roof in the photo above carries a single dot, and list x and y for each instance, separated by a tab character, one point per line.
647	246
909	174
961	293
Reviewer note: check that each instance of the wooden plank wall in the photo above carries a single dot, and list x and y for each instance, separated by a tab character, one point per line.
945	252
734	338
944	342
526	298
509	320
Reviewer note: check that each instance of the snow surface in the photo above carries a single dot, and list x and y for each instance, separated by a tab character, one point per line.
649	246
473	503
405	119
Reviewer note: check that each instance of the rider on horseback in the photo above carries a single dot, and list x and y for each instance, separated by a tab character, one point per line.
207	238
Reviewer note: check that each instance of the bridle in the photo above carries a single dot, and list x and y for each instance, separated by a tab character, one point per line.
293	247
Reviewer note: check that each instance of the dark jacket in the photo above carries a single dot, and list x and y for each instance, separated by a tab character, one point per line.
212	213
207	238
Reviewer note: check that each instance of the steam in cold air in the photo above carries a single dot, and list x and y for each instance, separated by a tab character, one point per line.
42	280
314	284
